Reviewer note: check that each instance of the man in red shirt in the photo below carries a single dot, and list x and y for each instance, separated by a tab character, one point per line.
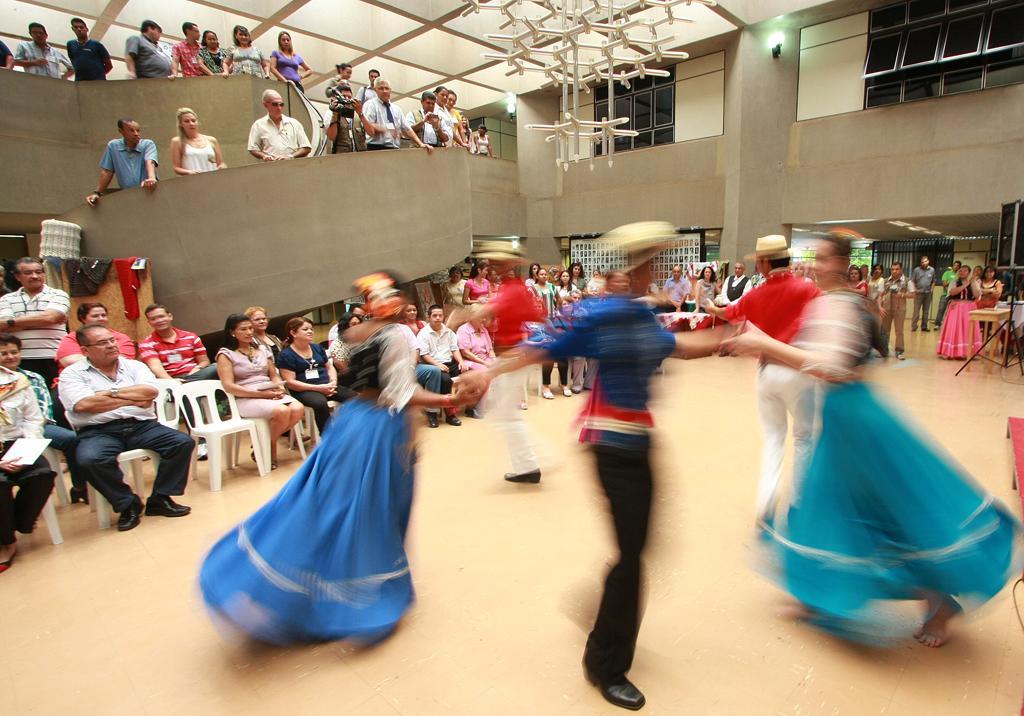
776	307
510	308
185	54
171	352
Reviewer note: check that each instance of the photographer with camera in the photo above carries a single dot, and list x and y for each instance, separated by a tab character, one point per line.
427	123
345	132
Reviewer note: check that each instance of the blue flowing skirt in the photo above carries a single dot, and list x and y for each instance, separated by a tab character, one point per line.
325	558
882	516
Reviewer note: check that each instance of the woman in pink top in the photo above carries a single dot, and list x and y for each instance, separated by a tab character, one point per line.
857	282
478	288
475	342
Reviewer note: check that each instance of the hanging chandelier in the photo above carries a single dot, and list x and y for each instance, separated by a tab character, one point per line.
578	44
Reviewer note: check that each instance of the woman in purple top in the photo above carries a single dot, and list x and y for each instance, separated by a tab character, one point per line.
287	66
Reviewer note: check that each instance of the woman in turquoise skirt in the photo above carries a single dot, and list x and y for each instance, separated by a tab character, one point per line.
879	514
325	559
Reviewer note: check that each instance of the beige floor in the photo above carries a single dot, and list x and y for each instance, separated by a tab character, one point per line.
507	579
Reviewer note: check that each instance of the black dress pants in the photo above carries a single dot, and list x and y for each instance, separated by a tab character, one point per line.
19	511
318	402
563	372
627	481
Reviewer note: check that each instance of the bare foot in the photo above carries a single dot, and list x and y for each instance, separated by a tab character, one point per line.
935	631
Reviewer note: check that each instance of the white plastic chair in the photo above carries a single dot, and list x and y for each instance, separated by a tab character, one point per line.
52	456
309	426
130	461
52	525
201	397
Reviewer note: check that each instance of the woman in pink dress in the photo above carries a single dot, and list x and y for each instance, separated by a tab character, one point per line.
478	288
960	338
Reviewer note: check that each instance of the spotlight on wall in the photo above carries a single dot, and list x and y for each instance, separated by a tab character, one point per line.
510	103
775	44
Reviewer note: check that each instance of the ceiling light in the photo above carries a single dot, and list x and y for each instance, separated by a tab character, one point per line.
917	228
845	221
899	223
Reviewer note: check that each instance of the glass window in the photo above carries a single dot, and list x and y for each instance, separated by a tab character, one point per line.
883	54
665	135
641	111
881	95
963	37
600	111
1005	73
1007	29
644	139
623	106
923	9
922	46
664	99
921	88
887	17
962	81
642	83
667	80
957	5
623	143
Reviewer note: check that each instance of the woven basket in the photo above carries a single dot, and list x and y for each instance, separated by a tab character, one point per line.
61	239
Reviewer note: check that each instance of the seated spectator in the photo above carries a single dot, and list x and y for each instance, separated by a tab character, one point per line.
338	350
60	438
247	372
192	152
439	348
857	282
171	352
38	314
478	289
454	289
6	57
90	57
213	55
287	65
185	54
109	402
475	343
345	131
277	136
426	122
243	58
736	286
481	143
344	76
34	482
677	288
369	91
131	158
353	311
410	318
386	125
90	314
307	372
260	335
145	57
39	57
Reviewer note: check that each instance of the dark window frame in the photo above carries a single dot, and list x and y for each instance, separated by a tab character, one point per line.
651	87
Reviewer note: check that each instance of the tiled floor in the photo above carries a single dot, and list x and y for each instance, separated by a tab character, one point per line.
508	577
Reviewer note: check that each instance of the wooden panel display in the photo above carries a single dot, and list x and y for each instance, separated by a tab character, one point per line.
109	294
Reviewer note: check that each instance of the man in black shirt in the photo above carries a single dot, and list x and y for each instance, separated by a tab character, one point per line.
90	57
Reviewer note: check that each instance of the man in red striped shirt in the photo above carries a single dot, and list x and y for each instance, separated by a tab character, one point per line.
171	352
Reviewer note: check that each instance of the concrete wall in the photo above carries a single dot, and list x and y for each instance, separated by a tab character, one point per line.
280	242
832	67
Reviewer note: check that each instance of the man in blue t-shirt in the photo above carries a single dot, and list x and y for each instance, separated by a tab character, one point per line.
132	159
90	57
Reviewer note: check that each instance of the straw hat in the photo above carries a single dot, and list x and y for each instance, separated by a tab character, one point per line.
772	246
498	250
641	240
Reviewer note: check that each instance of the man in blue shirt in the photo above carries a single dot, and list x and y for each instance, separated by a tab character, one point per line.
132	158
6	58
90	57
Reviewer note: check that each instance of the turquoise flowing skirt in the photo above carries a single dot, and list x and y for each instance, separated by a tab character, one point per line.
325	558
882	516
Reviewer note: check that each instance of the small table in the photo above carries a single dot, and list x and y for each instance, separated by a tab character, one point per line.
989	320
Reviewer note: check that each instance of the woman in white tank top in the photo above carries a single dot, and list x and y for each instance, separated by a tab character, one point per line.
482	143
192	152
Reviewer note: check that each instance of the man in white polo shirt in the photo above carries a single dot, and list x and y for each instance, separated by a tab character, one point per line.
277	136
38	315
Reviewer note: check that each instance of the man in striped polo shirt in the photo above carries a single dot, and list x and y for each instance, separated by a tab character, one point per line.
38	315
171	352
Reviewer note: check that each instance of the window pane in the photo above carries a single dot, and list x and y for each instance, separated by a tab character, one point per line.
641	111
1007	28
667	80
956	5
922	46
665	135
921	9
887	17
962	81
644	139
882	55
600	111
623	144
664	99
1005	73
602	93
623	107
642	83
921	88
883	94
963	37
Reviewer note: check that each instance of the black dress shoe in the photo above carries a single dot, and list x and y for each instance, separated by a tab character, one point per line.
473	413
620	692
130	517
432	420
532	476
452	420
78	494
164	506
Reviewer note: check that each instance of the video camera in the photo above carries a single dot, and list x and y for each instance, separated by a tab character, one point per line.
339	103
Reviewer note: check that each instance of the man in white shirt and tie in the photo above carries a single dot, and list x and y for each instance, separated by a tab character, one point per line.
384	123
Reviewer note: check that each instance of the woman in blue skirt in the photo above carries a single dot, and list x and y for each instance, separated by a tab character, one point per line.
879	515
325	558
